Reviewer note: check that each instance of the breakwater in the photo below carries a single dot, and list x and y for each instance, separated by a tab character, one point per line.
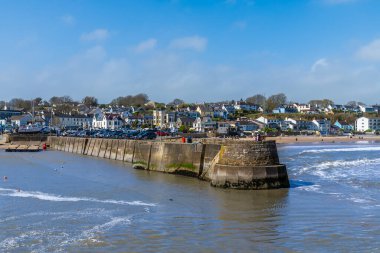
228	164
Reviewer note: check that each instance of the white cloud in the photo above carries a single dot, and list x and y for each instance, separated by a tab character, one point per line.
370	52
96	35
146	45
68	20
195	43
319	64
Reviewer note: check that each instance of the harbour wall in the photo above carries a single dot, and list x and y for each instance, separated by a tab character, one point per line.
227	164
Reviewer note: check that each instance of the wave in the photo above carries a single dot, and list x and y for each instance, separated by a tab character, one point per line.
343	163
326	150
59	198
342	168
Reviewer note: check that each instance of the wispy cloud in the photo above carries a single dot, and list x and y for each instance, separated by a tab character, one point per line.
68	20
319	64
146	45
96	35
195	43
370	52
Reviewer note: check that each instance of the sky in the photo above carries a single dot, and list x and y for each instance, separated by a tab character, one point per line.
197	50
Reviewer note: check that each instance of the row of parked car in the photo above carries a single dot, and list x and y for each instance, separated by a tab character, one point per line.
143	134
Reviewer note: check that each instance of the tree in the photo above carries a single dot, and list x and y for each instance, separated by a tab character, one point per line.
257	99
351	103
275	101
129	100
60	100
90	101
2	104
177	101
183	129
20	103
37	101
321	102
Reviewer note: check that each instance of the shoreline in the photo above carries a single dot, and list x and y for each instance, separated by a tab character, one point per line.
323	139
279	140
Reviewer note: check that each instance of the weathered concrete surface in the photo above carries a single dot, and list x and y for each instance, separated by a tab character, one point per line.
129	151
141	155
120	150
114	147
225	163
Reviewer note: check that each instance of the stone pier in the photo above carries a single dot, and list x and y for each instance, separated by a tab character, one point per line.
227	164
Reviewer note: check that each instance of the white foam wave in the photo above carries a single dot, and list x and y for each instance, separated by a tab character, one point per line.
59	198
340	164
326	150
91	236
345	164
310	188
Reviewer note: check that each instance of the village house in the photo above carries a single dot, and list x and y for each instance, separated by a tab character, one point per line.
245	106
322	126
159	118
363	124
344	126
249	126
222	127
205	110
21	120
302	108
204	124
185	121
68	121
107	121
230	109
364	108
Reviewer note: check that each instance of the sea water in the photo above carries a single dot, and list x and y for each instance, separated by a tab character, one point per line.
60	202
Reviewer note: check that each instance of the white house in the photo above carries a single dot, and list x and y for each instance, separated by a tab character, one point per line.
302	107
71	121
322	125
222	127
363	124
203	124
268	121
159	118
242	105
363	108
110	121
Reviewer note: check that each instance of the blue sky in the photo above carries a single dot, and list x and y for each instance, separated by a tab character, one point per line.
199	50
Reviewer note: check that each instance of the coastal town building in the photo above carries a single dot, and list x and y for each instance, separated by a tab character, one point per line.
21	120
68	121
363	124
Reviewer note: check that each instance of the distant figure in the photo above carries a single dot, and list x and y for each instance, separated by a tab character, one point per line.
5	178
18	190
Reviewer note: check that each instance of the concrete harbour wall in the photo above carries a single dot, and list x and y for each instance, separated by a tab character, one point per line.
228	164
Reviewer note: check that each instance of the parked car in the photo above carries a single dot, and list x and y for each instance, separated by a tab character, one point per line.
146	135
162	133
